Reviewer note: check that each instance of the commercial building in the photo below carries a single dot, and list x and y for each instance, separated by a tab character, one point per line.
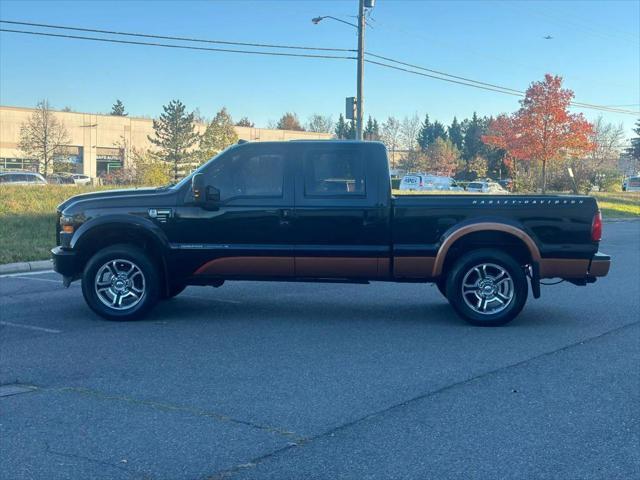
98	142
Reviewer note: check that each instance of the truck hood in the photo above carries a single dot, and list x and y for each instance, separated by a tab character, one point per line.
107	196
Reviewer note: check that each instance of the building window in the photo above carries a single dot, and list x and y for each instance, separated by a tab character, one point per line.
109	159
26	164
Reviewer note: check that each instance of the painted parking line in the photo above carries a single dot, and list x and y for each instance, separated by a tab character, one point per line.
235	302
29	327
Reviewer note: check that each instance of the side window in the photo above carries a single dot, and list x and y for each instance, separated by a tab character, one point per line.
338	172
248	174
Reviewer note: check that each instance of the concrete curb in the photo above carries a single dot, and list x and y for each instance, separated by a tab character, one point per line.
618	220
22	267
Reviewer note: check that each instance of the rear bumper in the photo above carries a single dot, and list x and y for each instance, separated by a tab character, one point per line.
576	268
599	266
65	262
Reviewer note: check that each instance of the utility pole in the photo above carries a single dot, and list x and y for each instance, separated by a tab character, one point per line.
362	5
360	74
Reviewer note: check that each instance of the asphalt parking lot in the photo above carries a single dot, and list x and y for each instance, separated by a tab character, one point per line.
324	381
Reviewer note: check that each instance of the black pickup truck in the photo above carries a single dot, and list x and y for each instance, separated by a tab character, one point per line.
321	211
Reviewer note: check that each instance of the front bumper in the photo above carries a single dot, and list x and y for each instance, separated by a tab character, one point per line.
65	262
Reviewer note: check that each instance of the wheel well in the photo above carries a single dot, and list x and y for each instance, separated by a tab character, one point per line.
99	238
506	242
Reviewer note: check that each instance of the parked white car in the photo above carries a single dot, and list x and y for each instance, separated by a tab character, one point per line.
486	187
80	179
22	178
424	182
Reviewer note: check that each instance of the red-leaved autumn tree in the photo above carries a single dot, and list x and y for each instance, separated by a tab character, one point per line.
542	129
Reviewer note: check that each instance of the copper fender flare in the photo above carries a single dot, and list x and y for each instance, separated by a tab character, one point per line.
482	227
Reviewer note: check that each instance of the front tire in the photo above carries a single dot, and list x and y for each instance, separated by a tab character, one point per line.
487	287
121	282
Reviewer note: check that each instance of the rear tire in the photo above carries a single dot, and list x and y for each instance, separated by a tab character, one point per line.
121	282
487	287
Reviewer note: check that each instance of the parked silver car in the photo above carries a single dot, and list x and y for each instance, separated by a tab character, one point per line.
22	178
486	187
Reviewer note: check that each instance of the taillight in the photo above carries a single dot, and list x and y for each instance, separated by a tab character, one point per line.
596	227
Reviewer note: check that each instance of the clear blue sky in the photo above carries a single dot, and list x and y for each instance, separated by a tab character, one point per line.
595	48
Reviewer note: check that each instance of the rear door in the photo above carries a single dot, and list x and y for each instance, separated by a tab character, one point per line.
340	227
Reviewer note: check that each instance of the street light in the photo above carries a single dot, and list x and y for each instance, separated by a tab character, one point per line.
360	72
317	20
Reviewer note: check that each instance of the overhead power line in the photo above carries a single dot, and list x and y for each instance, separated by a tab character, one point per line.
482	85
519	92
184	39
394	67
168	45
433	74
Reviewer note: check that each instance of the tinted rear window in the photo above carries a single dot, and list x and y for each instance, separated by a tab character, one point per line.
475	185
334	172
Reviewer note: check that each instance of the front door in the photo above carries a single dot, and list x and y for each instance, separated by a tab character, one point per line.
248	233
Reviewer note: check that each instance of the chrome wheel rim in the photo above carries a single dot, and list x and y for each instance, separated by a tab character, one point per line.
120	284
487	288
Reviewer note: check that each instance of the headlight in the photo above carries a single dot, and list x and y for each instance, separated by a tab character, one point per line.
68	223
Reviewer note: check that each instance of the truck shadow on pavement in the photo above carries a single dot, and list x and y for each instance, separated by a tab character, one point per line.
433	311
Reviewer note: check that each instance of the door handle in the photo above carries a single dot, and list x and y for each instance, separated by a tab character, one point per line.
285	217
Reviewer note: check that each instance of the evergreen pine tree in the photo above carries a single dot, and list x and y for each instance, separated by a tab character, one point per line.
473	144
351	130
341	130
218	135
118	109
437	131
372	130
174	134
368	129
424	135
455	133
245	122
